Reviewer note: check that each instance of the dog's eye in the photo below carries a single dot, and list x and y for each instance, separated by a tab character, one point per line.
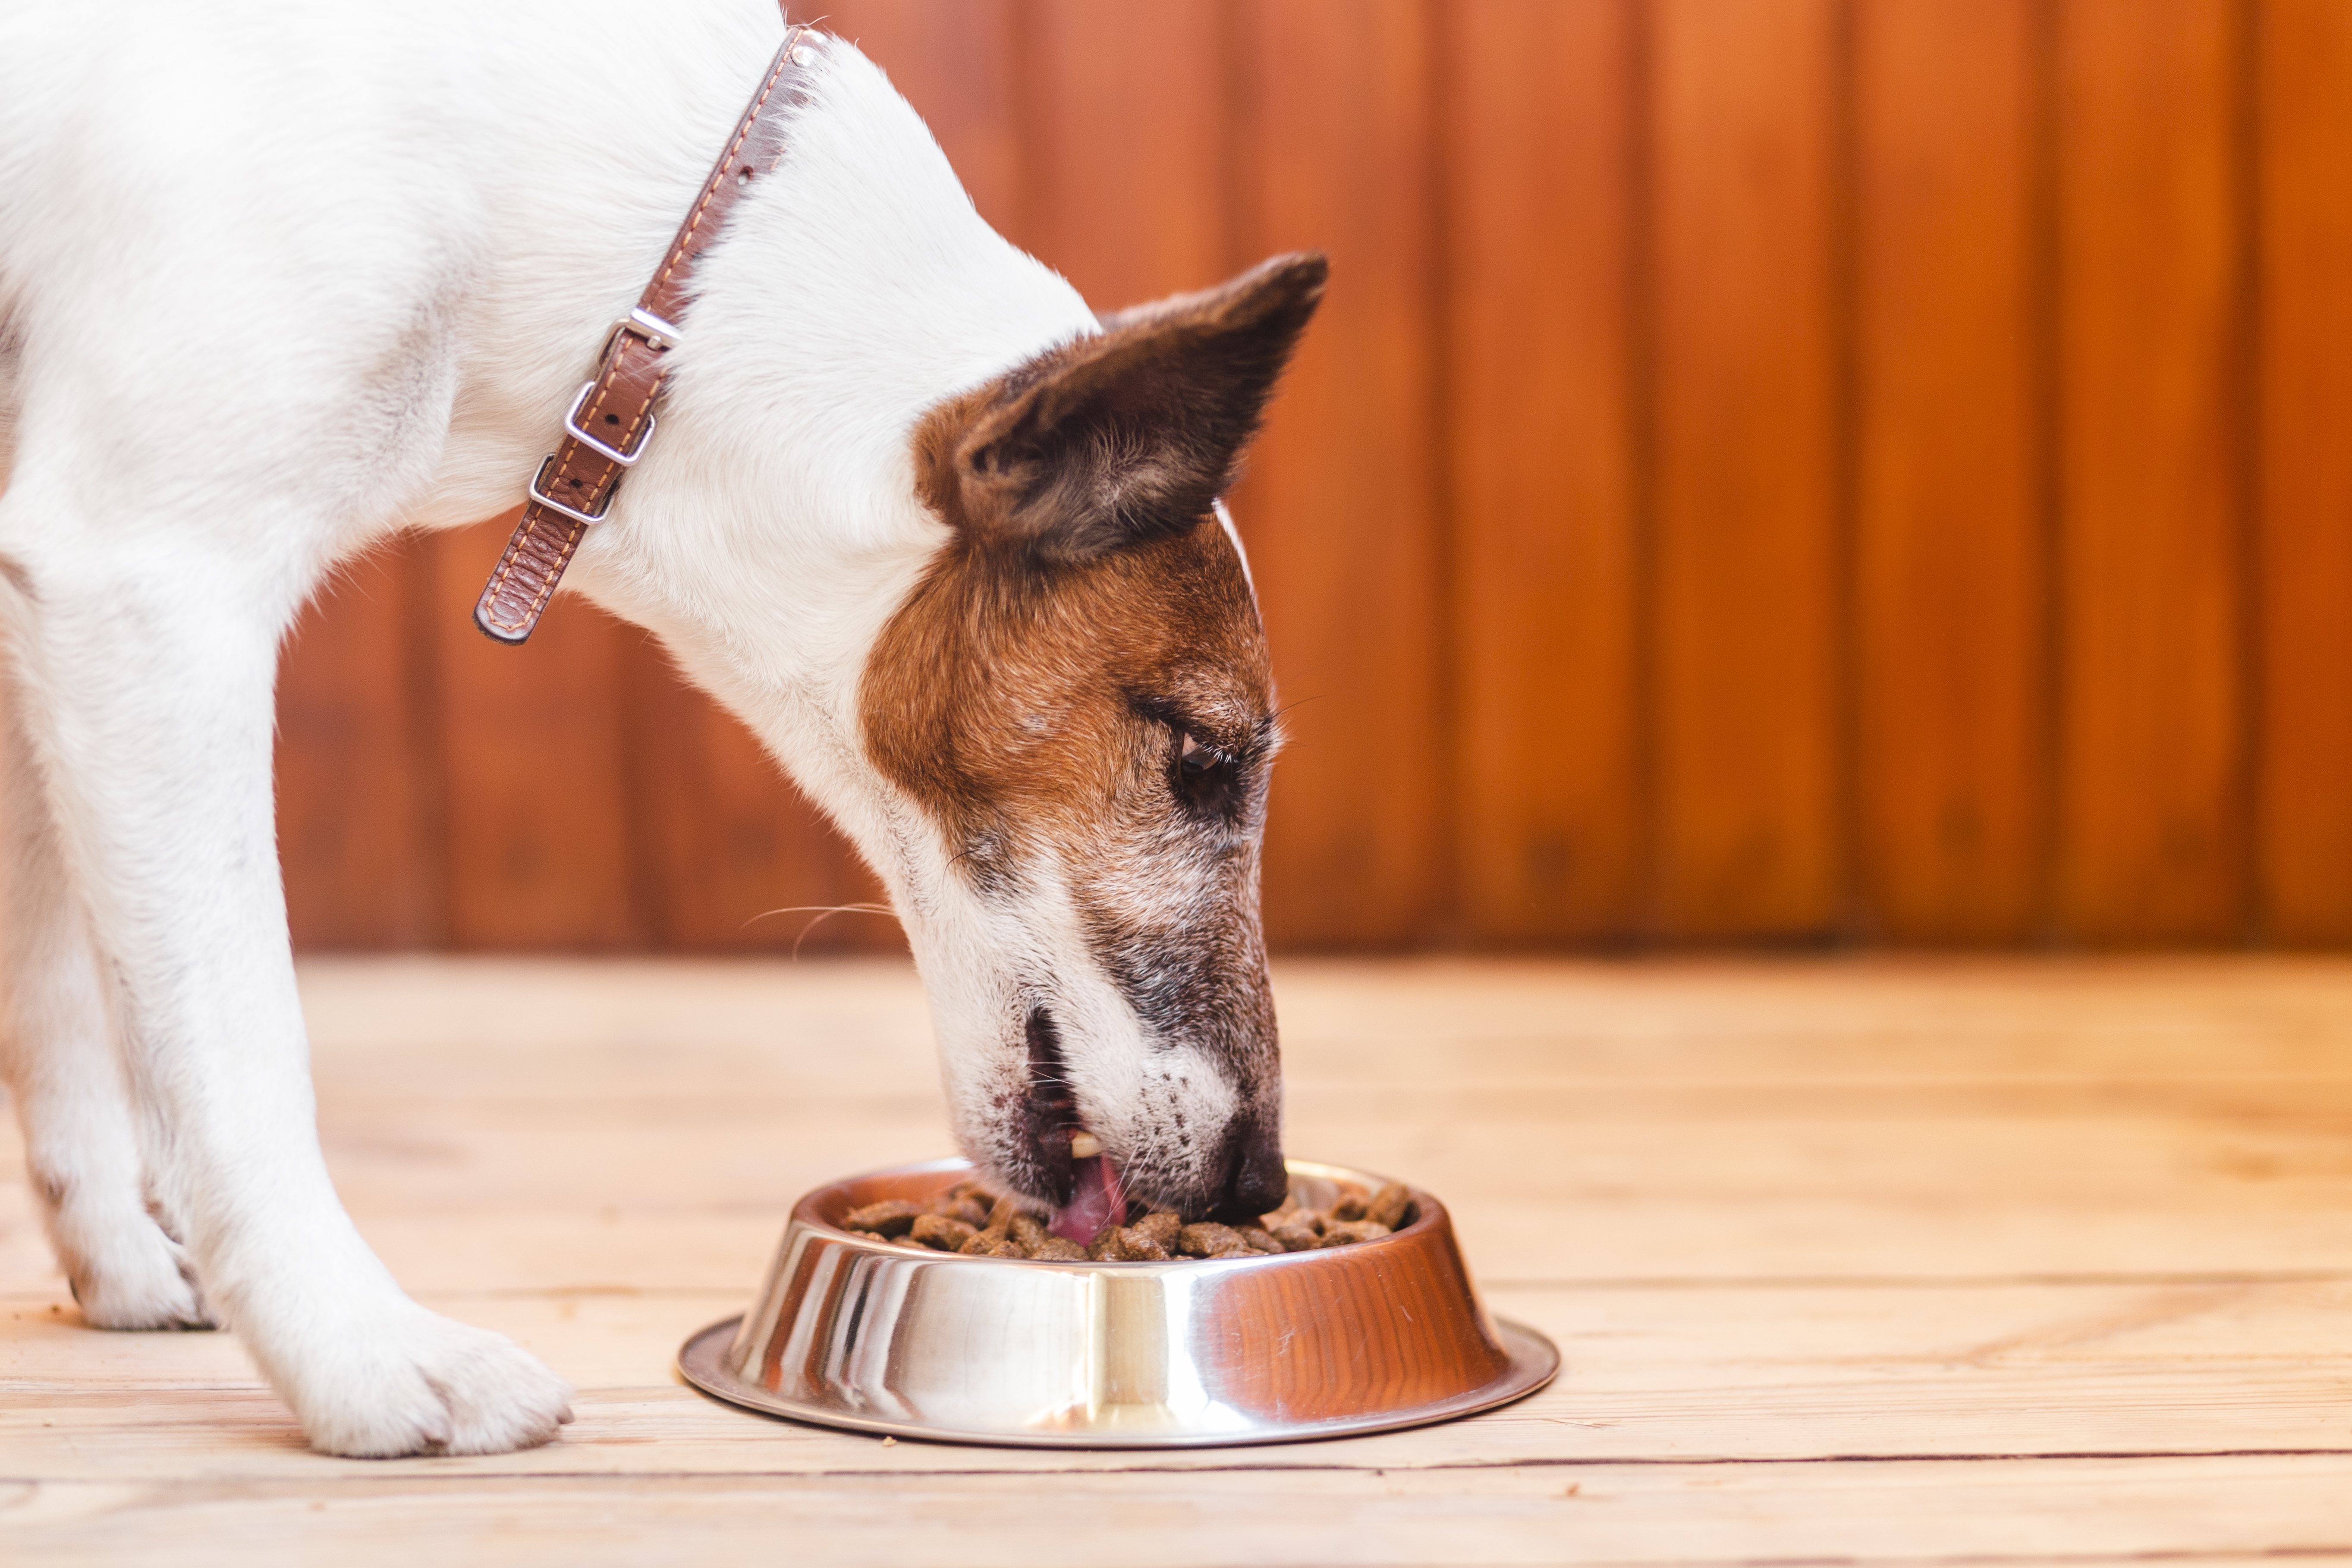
1206	779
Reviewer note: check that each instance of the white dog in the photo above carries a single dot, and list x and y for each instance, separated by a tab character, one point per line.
279	278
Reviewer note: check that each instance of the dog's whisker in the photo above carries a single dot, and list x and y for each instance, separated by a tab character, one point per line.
823	910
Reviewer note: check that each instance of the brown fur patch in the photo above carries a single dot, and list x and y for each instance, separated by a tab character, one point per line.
1037	715
1027	706
1078	689
1087	611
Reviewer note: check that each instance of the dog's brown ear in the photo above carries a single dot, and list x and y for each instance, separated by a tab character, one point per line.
1123	435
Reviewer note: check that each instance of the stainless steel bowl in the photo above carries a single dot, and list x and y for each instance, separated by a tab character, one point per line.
881	1338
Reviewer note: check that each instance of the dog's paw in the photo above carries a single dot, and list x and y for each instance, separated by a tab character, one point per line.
420	1384
131	1276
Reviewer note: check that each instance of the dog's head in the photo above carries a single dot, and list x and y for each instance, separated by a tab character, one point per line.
1076	704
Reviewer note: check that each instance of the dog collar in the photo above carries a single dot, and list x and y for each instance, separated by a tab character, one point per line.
612	417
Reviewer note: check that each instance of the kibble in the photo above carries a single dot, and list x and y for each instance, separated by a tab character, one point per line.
1132	1243
970	1219
971	1211
945	1232
1390	1205
992	1243
1209	1239
1299	1233
1158	1230
891	1216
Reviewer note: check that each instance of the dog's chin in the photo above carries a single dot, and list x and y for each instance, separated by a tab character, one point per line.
1043	1172
1036	1144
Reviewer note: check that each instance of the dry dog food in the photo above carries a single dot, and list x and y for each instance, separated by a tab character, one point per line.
969	1218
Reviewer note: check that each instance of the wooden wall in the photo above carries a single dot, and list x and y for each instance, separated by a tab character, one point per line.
1768	470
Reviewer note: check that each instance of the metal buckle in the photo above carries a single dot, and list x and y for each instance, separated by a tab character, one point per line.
549	502
661	334
625	460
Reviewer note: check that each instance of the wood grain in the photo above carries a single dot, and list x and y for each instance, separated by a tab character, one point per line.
1769	470
737	861
1539	221
1126	136
1948	655
2036	1259
359	785
2221	1510
2152	819
540	848
1746	415
1810	1369
1341	504
956	61
2305	828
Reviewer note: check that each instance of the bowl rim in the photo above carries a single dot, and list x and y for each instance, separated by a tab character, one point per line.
1531	1362
1429	1211
1530	1359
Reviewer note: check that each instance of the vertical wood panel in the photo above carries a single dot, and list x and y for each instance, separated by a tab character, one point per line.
2151	811
539	854
1537	194
1745	482
1552	518
2306	399
735	855
358	824
1126	135
955	60
1340	508
1949	580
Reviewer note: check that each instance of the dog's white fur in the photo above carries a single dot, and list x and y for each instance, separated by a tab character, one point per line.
279	278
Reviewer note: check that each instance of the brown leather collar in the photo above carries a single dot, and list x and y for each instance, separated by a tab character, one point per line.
611	418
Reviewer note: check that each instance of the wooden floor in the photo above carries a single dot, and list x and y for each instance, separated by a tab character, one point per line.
1853	1261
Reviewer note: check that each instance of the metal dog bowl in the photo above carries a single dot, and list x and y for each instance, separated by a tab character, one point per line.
882	1338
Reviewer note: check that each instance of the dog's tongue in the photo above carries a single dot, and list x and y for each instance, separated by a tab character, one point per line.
1097	1201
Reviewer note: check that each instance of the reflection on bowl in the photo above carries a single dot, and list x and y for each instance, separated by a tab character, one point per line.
881	1338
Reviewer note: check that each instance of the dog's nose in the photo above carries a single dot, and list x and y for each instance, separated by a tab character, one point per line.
1256	1180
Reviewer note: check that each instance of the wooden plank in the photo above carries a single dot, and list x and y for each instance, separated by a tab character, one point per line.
1773	1181
1655	1373
1540	227
737	859
2305	771
955	60
2152	821
1341	504
538	820
1488	1022
358	789
645	1126
492	1122
1747	602
2224	1508
1949	586
1125	144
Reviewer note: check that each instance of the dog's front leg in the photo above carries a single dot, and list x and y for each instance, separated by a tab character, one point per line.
57	1052
150	686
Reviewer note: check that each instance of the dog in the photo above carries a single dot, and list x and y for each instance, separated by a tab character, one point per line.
279	280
